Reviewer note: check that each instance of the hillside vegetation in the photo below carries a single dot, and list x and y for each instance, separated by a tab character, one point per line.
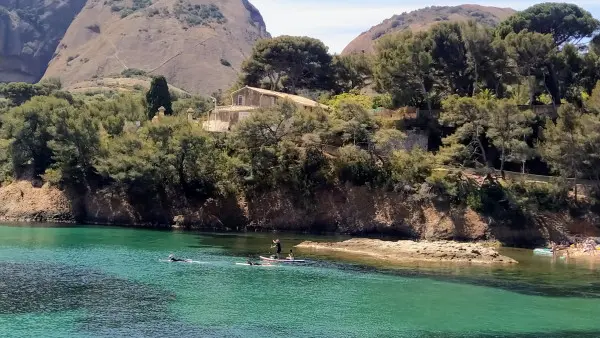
423	19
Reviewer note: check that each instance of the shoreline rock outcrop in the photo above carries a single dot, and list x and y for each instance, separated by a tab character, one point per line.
410	251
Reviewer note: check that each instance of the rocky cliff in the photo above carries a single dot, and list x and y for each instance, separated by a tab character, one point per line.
30	30
198	45
346	209
424	18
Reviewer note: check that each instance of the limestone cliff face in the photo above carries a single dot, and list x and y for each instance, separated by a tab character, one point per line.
198	45
30	31
346	209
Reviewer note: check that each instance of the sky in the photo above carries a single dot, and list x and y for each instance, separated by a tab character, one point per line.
337	22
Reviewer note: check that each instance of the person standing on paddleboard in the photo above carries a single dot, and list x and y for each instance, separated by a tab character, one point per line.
277	244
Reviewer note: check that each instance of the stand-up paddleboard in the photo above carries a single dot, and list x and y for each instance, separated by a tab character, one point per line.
246	264
282	260
186	261
542	252
545	252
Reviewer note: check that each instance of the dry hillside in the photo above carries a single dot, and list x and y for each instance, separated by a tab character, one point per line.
197	44
423	19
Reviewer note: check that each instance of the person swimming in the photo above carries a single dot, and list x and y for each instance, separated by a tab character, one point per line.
172	258
277	244
249	262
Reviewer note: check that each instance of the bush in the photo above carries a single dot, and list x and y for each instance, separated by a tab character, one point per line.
356	166
337	101
533	196
196	15
411	168
131	72
225	63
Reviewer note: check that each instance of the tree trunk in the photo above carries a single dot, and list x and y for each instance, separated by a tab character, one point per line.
549	93
480	145
502	159
531	89
476	80
552	85
427	98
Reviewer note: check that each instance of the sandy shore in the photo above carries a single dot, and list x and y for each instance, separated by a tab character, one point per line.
409	251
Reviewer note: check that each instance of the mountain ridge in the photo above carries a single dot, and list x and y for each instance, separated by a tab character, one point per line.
423	19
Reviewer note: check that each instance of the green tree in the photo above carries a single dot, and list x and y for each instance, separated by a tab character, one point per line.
75	144
563	145
595	44
508	130
411	167
450	59
532	53
352	124
478	42
593	102
403	68
158	96
200	105
351	72
565	22
503	71
590	71
18	92
29	129
288	63
355	165
470	116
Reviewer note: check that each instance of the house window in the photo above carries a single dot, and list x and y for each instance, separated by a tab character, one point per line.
240	100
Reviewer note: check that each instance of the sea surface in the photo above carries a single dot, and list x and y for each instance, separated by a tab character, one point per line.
84	281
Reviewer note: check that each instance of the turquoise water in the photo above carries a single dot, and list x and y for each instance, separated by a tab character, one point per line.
109	282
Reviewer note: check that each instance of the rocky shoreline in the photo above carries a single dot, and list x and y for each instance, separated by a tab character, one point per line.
410	251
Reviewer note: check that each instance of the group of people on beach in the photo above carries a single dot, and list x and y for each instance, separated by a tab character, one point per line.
588	246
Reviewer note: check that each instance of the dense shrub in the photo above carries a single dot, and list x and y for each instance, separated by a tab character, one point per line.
131	72
197	15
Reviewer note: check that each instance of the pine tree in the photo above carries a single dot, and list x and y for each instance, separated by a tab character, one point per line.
159	96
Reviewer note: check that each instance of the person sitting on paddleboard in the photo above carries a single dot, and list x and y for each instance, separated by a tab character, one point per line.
291	256
277	244
173	259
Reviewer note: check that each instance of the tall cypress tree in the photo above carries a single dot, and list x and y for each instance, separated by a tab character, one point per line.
158	96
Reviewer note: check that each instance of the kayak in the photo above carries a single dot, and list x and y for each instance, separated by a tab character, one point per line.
542	252
282	260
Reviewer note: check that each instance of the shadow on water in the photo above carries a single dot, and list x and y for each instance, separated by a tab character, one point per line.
516	280
112	306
